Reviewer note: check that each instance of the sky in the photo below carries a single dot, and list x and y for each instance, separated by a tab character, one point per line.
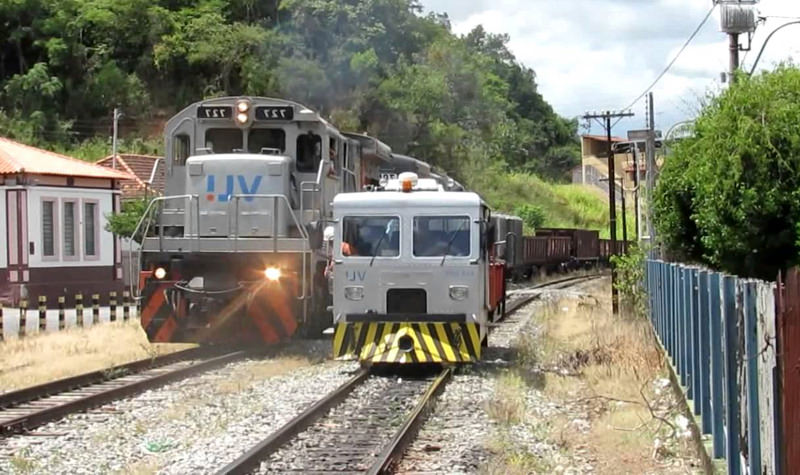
592	55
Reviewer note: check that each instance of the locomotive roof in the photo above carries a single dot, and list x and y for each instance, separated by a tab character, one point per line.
389	199
303	113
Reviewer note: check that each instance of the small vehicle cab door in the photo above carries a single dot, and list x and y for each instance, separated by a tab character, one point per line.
364	241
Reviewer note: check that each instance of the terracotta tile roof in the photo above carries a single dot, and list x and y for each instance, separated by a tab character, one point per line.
16	157
603	138
140	167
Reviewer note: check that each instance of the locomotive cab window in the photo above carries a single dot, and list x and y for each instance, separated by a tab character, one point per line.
367	236
224	140
436	236
309	152
180	149
266	138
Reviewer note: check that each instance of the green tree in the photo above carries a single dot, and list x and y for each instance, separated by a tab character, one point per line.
730	195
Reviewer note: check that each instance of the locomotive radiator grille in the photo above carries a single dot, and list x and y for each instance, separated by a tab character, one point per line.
408	342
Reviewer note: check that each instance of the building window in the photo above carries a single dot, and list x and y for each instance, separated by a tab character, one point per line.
69	229
90	229
48	228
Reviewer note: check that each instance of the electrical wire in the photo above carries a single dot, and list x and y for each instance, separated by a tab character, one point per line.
671	63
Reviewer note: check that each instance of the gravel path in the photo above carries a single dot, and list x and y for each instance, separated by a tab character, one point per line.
196	425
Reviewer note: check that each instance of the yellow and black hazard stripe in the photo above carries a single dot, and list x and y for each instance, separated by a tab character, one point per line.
408	342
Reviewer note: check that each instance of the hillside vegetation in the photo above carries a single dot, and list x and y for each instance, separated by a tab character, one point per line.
463	103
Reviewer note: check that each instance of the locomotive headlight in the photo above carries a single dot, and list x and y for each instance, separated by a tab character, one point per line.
242	117
160	273
459	292
243	106
354	293
272	273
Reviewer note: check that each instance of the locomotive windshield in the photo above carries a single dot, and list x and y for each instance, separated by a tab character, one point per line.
259	139
436	236
224	140
371	236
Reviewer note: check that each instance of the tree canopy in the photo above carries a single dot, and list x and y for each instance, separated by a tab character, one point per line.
379	66
729	196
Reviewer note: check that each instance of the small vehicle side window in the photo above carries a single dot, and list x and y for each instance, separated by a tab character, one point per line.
367	236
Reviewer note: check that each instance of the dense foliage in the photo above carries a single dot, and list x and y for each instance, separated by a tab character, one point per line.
730	195
370	65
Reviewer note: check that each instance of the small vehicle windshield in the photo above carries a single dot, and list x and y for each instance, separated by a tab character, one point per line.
437	235
368	236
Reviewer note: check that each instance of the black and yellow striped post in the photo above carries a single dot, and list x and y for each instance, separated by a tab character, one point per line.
42	313
79	309
126	305
23	317
95	309
112	304
62	319
2	329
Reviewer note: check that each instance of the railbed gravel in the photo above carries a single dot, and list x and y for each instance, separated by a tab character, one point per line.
196	425
457	436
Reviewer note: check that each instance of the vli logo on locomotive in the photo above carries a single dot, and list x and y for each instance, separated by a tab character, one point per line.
211	187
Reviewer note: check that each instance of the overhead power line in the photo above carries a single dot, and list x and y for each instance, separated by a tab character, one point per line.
671	63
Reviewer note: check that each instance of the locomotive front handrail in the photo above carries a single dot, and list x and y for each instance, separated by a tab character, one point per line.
146	217
300	226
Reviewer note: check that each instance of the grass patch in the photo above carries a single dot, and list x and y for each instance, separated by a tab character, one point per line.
22	464
38	359
507	406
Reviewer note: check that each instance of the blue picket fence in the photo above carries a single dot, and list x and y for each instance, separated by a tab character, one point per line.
719	333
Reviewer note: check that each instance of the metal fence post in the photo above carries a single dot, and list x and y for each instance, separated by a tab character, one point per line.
695	368
705	353
731	389
42	313
674	314
715	326
751	366
686	334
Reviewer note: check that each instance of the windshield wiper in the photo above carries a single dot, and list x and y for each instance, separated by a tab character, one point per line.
450	242
377	247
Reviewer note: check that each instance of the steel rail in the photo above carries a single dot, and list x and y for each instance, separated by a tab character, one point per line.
38	417
251	459
395	450
39	391
521	302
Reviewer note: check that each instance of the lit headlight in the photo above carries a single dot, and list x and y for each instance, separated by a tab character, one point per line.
459	292
354	293
160	273
272	273
243	106
242	117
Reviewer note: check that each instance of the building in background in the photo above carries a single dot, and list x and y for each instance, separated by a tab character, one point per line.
148	174
53	239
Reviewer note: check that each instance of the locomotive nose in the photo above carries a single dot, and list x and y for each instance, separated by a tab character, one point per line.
405	343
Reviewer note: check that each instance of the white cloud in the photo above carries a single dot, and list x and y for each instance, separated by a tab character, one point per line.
599	54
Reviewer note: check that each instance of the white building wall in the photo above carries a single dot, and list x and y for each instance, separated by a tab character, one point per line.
3	229
106	242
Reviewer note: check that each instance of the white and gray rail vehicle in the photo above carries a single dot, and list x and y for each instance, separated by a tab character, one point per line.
233	250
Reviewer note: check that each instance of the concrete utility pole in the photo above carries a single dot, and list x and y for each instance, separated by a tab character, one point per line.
650	168
606	117
117	116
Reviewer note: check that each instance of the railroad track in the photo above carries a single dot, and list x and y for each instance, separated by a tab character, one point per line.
519	297
364	426
32	407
